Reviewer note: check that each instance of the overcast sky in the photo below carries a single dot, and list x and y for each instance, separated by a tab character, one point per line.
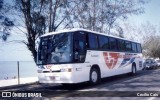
18	52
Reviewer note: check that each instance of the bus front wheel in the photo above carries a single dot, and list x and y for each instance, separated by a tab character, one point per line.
94	76
134	70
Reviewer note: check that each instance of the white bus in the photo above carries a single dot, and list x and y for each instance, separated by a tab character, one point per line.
79	55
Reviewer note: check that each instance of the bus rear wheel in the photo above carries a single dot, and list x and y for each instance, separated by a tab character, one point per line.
66	85
94	76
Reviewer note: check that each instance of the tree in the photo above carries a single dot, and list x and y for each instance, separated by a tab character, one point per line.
102	15
39	17
147	34
5	23
151	42
120	31
151	47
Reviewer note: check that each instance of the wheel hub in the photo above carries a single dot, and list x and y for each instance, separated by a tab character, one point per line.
94	76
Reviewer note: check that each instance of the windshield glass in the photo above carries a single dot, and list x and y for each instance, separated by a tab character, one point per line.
55	49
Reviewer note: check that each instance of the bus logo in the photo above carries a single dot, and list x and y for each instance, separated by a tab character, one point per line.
110	59
48	66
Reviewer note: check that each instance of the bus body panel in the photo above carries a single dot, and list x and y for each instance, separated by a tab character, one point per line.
80	72
55	73
109	67
77	75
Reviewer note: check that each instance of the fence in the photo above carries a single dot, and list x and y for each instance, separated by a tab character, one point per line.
17	72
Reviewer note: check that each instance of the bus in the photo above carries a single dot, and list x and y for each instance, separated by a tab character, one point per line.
80	55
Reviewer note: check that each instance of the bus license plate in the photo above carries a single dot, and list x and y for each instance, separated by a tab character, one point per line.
52	77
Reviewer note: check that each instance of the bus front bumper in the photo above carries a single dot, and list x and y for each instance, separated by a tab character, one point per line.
55	78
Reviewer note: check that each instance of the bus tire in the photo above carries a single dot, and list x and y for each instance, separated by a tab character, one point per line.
134	70
66	84
94	76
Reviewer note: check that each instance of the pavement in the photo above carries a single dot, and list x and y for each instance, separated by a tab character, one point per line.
121	87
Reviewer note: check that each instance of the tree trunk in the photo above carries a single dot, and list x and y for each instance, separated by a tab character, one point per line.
50	16
31	35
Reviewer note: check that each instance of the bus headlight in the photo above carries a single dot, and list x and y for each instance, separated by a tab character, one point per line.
41	67
66	70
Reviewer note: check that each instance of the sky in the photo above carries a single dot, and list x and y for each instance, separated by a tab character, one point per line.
18	52
151	14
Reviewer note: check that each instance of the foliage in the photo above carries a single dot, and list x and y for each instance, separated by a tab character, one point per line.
102	15
5	22
151	47
42	16
147	35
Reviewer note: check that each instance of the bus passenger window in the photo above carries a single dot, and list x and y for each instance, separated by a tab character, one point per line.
134	48
128	46
121	45
93	43
139	48
113	43
103	42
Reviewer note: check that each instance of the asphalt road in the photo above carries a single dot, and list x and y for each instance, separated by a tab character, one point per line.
121	87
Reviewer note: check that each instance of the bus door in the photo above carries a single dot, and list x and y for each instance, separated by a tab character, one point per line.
79	56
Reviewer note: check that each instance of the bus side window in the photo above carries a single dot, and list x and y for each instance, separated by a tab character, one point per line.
103	42
79	51
93	42
128	46
134	47
139	48
113	43
121	45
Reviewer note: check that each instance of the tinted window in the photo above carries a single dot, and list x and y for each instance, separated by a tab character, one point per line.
134	47
139	48
128	46
93	44
121	45
79	46
103	42
55	49
113	43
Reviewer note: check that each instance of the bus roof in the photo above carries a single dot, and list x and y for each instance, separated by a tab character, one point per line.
80	29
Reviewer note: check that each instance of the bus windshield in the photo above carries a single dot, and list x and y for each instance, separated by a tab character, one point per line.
55	49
